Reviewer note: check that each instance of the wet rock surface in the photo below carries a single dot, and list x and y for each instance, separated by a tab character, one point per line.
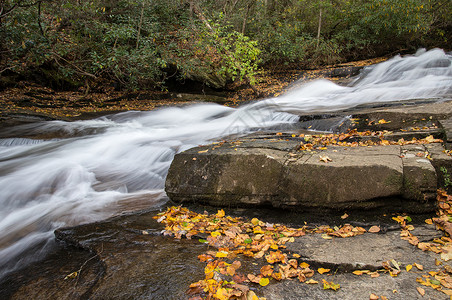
128	257
122	258
271	170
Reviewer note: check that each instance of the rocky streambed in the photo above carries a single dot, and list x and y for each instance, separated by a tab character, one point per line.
270	176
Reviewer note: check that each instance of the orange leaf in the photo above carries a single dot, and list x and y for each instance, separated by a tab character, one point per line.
374	229
322	270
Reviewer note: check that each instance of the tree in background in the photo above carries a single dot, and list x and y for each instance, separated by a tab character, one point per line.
143	44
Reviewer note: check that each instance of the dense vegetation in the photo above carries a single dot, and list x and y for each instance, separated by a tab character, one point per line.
145	44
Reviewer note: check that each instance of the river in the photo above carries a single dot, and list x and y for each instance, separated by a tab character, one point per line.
57	173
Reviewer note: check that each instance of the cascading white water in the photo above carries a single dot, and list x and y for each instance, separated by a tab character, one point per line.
94	169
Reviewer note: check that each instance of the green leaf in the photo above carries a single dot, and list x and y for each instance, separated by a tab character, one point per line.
202	241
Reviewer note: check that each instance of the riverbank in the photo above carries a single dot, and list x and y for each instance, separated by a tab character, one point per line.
29	102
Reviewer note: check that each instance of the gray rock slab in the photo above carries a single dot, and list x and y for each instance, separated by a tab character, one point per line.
352	175
442	164
353	287
419	175
272	172
447	126
226	176
366	251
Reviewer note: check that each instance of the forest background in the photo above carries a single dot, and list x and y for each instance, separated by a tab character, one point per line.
148	44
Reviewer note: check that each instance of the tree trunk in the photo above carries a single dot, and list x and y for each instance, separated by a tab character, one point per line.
320	26
139	25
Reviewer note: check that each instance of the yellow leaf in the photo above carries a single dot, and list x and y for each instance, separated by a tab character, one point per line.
447	292
344	216
71	276
326	237
420	267
408	268
255	221
429	221
297	256
215	233
251	296
303	265
220	213
264	281
373	297
221	254
222	294
322	270
203	151
311	281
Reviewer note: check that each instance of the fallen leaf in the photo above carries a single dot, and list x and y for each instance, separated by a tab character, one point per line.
361	272
266	270
222	294
220	254
325	158
344	216
330	285
220	213
373	297
420	267
71	276
311	281
408	267
374	229
239	278
264	281
255	221
254	278
322	270
251	296
326	237
421	291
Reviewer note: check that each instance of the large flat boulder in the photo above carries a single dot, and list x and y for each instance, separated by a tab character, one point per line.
273	172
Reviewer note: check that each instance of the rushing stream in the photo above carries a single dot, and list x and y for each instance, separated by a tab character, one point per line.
57	173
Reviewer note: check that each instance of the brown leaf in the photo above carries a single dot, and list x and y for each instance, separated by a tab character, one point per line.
373	297
239	278
254	278
266	270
